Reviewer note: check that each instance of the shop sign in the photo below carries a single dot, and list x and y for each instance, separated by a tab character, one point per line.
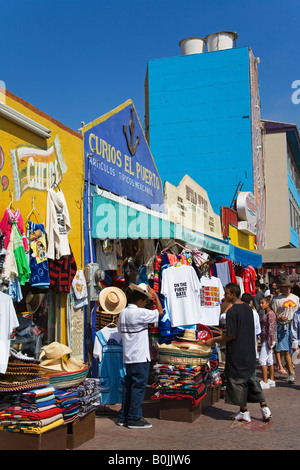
35	168
118	159
188	205
247	213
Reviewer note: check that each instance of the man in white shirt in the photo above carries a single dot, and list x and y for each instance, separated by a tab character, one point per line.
133	325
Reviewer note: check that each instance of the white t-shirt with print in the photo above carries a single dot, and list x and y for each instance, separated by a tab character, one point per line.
181	287
211	295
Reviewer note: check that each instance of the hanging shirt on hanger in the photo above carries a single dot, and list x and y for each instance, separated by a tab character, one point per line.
8	322
38	260
212	293
58	225
111	369
6	223
180	285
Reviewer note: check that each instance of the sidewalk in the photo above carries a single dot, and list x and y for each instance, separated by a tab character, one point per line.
213	429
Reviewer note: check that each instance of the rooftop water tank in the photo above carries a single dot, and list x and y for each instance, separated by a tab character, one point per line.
220	41
192	45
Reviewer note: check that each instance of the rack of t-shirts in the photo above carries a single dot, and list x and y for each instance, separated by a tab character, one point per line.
188	293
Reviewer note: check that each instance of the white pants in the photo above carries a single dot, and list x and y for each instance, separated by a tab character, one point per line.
266	355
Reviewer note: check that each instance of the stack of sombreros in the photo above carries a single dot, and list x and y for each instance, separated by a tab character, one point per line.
62	372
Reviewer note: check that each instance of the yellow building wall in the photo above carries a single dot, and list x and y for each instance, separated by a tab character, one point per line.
19	179
241	239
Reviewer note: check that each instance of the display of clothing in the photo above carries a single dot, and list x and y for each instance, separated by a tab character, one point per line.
8	322
58	225
38	261
20	255
212	293
106	255
181	287
6	226
108	351
62	272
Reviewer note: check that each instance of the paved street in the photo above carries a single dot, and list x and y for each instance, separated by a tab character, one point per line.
213	429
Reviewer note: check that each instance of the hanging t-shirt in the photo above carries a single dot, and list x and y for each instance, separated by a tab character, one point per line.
180	285
212	293
8	322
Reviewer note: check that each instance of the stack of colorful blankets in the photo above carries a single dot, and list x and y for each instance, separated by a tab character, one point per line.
178	382
34	411
68	402
78	401
89	396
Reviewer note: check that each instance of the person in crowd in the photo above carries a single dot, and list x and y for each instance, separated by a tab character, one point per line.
284	307
268	341
133	325
259	294
242	386
295	331
247	297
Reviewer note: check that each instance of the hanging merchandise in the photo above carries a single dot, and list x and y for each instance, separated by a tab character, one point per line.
79	285
6	225
212	293
38	260
62	272
181	288
108	351
58	225
8	322
106	255
20	255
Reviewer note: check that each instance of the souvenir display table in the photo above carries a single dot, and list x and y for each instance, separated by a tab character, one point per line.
43	409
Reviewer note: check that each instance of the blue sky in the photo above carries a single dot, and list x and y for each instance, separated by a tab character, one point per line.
77	60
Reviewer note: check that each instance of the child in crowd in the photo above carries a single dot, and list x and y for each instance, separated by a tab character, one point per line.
268	341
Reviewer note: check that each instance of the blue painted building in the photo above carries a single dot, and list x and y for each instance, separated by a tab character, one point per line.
200	118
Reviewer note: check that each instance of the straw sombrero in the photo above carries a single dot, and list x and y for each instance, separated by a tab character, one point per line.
189	335
142	288
54	352
285	282
33	302
112	299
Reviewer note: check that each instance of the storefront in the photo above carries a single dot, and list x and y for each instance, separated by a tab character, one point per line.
41	255
134	233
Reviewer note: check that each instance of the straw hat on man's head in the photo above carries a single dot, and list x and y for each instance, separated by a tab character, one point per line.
112	300
285	282
142	288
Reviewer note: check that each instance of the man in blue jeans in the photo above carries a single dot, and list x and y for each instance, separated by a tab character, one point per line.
133	325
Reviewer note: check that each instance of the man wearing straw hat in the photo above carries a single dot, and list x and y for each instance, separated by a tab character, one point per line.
133	325
242	385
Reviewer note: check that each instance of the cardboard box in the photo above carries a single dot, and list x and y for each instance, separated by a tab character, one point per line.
80	430
179	410
55	439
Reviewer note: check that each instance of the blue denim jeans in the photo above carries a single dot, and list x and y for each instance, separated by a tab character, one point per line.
136	380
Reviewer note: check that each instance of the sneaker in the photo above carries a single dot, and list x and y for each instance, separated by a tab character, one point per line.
291	379
243	416
264	385
266	413
140	423
272	383
121	423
